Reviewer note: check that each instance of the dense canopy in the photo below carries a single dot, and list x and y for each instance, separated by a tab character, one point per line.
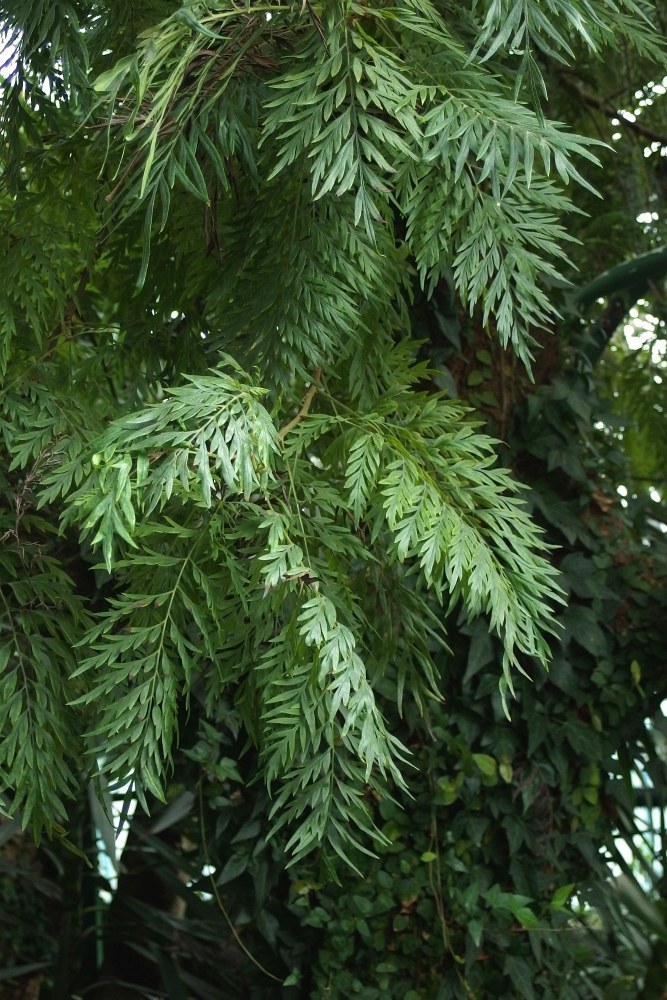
333	453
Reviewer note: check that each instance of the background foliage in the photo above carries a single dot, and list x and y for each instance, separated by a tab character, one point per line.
267	272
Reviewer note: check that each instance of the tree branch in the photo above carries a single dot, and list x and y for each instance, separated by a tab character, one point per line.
610	111
74	303
303	412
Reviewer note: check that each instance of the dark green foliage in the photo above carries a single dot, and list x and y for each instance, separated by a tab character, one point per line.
266	272
511	817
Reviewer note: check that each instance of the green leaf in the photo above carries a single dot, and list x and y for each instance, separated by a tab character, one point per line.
526	917
520	973
112	78
561	896
487	765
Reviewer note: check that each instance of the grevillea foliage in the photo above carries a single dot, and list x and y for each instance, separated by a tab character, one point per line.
310	541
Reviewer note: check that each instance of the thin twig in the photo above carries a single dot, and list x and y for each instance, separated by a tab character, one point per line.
219	901
120	182
440	907
303	412
74	304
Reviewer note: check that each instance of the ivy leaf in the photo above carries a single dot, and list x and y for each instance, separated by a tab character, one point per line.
487	765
